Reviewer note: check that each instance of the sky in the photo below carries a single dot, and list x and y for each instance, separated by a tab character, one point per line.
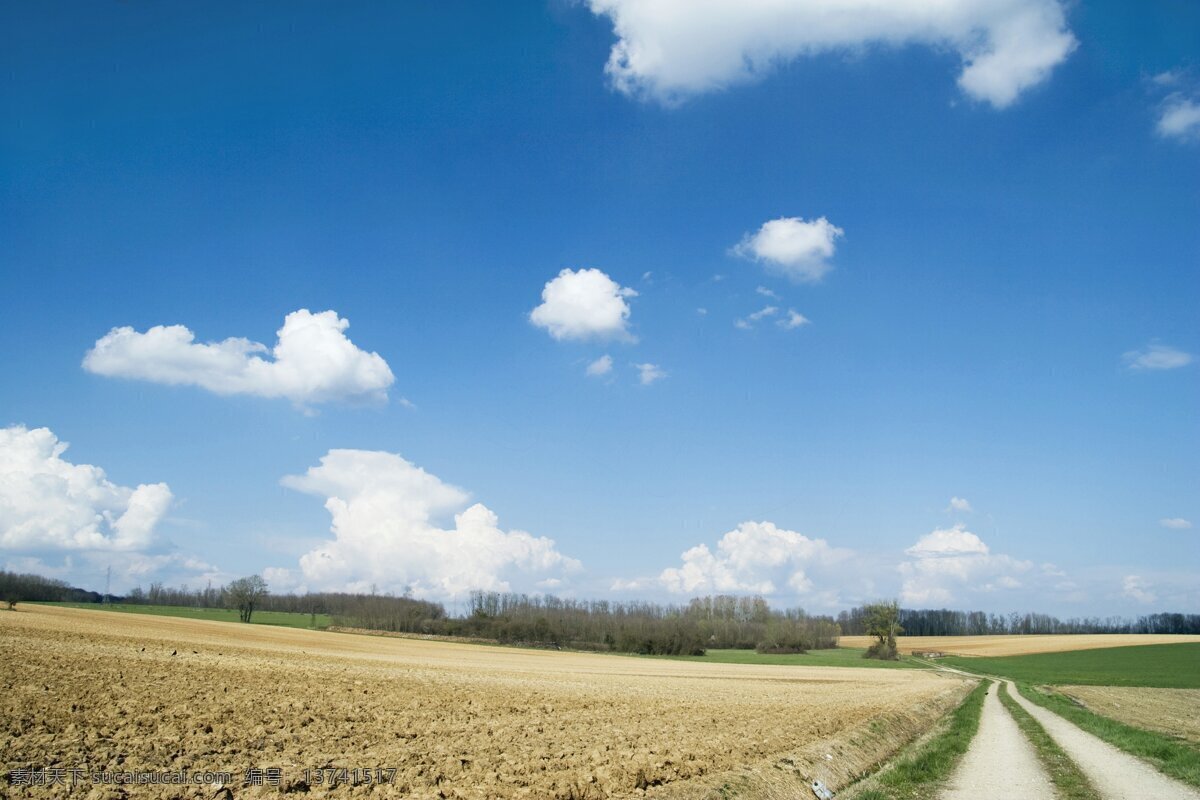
826	300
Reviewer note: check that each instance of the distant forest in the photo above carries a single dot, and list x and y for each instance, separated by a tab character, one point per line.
721	621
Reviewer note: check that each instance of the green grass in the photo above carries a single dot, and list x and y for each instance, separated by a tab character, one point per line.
1171	756
838	657
1069	782
283	618
918	775
1172	666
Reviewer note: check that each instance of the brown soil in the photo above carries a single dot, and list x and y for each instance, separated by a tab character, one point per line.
106	692
1018	645
1171	711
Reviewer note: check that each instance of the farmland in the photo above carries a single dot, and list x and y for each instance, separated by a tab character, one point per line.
1175	666
284	618
138	692
1020	645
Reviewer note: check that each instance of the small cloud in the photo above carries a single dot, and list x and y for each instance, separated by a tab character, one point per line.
793	320
765	292
649	373
1168	78
959	504
1179	118
601	366
409	404
1176	523
1156	356
584	304
647	275
750	319
1138	589
702	312
793	247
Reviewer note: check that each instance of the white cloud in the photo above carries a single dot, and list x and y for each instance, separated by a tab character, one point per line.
649	373
1179	118
312	361
386	534
584	304
1135	587
601	366
793	247
1175	523
947	561
765	292
755	557
748	322
959	504
702	312
669	50
793	320
1156	356
49	504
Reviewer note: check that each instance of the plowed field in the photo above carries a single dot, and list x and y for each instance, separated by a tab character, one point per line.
104	692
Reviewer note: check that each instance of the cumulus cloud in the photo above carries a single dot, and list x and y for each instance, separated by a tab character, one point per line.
601	366
649	373
959	504
385	522
765	292
1136	588
584	304
669	50
756	557
1179	118
49	504
312	362
794	319
947	561
1176	523
1155	356
793	247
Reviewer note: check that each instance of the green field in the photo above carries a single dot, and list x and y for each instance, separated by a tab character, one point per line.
284	618
838	657
1169	666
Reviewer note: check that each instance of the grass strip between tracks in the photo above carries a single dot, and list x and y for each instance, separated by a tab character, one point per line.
1068	780
1170	756
915	775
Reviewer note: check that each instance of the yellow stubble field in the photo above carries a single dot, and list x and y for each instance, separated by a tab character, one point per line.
105	693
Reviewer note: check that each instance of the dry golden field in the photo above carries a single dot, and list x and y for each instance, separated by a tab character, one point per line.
1019	645
1171	711
105	692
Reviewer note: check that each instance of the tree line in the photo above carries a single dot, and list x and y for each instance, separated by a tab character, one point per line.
947	622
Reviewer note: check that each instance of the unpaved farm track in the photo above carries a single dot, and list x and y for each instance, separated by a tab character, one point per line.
107	691
1001	764
1115	774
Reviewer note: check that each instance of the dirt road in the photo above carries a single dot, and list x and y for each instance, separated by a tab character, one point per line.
1115	774
1001	763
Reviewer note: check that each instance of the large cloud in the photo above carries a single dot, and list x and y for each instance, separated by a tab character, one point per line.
793	247
670	49
49	504
386	535
947	562
312	361
755	557
584	304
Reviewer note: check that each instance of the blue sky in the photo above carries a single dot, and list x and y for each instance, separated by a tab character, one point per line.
1007	317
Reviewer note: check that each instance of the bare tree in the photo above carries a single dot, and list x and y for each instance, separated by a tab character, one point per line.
883	622
245	594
